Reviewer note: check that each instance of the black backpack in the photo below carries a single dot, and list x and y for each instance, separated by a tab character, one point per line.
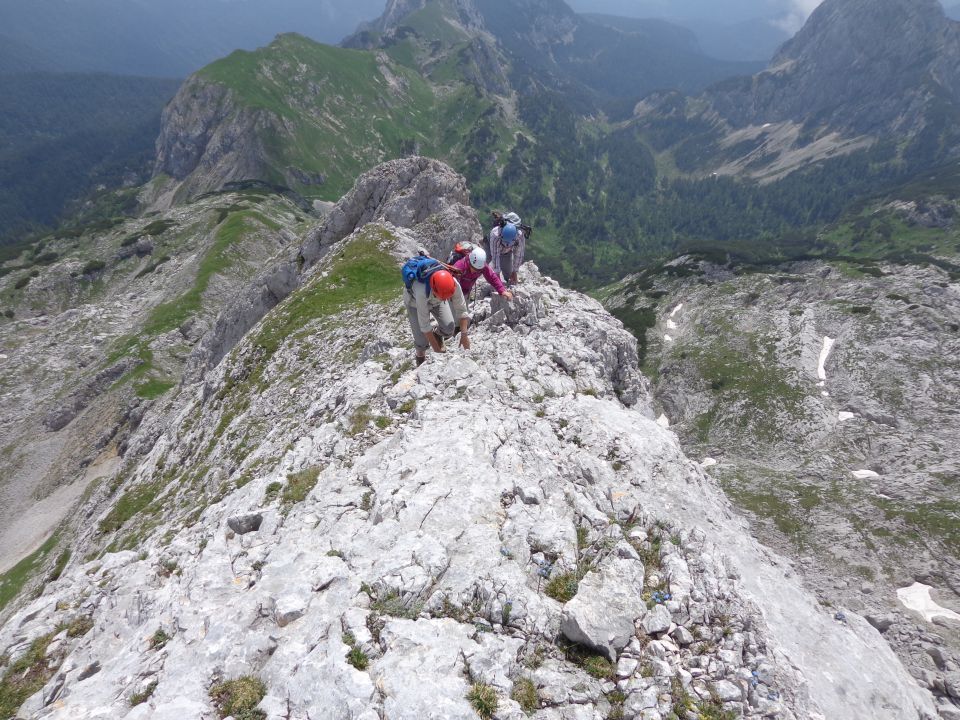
500	222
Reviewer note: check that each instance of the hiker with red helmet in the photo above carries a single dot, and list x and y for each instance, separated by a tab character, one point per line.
431	290
471	265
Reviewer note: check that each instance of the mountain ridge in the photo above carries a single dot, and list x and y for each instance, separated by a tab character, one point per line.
283	533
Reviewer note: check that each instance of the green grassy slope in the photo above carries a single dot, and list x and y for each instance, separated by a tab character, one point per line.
345	110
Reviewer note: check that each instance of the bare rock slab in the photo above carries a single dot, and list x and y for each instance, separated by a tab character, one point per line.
603	612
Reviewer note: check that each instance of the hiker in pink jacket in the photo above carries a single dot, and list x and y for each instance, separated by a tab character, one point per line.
474	265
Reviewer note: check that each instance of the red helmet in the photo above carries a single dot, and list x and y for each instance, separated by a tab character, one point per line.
442	284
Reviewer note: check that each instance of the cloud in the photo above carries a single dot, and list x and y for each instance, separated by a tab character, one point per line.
797	15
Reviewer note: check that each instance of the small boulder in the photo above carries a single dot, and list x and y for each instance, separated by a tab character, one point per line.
607	603
728	691
89	671
243	524
682	636
657	620
881	622
143	246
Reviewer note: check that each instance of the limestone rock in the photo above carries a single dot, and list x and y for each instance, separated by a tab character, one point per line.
602	613
657	620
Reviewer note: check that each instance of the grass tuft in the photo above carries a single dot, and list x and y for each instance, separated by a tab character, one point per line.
525	694
484	700
239	698
141	697
25	677
299	485
563	587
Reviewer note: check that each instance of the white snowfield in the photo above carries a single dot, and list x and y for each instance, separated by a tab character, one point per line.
677	309
917	598
843	416
865	474
824	354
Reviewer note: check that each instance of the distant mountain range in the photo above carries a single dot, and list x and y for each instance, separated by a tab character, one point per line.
859	72
538	107
616	130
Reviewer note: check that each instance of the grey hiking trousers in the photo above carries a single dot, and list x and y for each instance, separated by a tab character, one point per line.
506	267
444	317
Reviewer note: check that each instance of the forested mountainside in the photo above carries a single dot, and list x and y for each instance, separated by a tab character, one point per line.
64	135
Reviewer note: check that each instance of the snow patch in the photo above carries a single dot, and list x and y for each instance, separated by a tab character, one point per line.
824	354
842	416
663	421
917	598
708	462
667	338
677	309
671	325
864	474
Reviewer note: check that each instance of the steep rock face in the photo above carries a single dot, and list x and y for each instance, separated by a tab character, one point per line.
443	33
286	114
207	140
890	62
424	195
102	332
464	12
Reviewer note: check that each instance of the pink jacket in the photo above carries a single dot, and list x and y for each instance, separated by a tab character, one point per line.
468	276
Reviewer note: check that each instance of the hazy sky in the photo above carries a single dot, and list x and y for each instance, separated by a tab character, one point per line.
798	14
788	14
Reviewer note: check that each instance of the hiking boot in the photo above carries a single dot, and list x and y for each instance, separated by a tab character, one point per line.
421	360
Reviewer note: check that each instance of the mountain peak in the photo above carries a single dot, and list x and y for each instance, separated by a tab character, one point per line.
864	30
888	60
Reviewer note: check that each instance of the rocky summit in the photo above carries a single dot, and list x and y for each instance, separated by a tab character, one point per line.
312	527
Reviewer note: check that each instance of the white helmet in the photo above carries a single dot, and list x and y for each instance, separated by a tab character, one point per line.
478	258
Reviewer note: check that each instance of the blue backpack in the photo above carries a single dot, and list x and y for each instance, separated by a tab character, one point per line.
419	268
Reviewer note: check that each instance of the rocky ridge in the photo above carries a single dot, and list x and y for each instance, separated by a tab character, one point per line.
101	330
507	521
